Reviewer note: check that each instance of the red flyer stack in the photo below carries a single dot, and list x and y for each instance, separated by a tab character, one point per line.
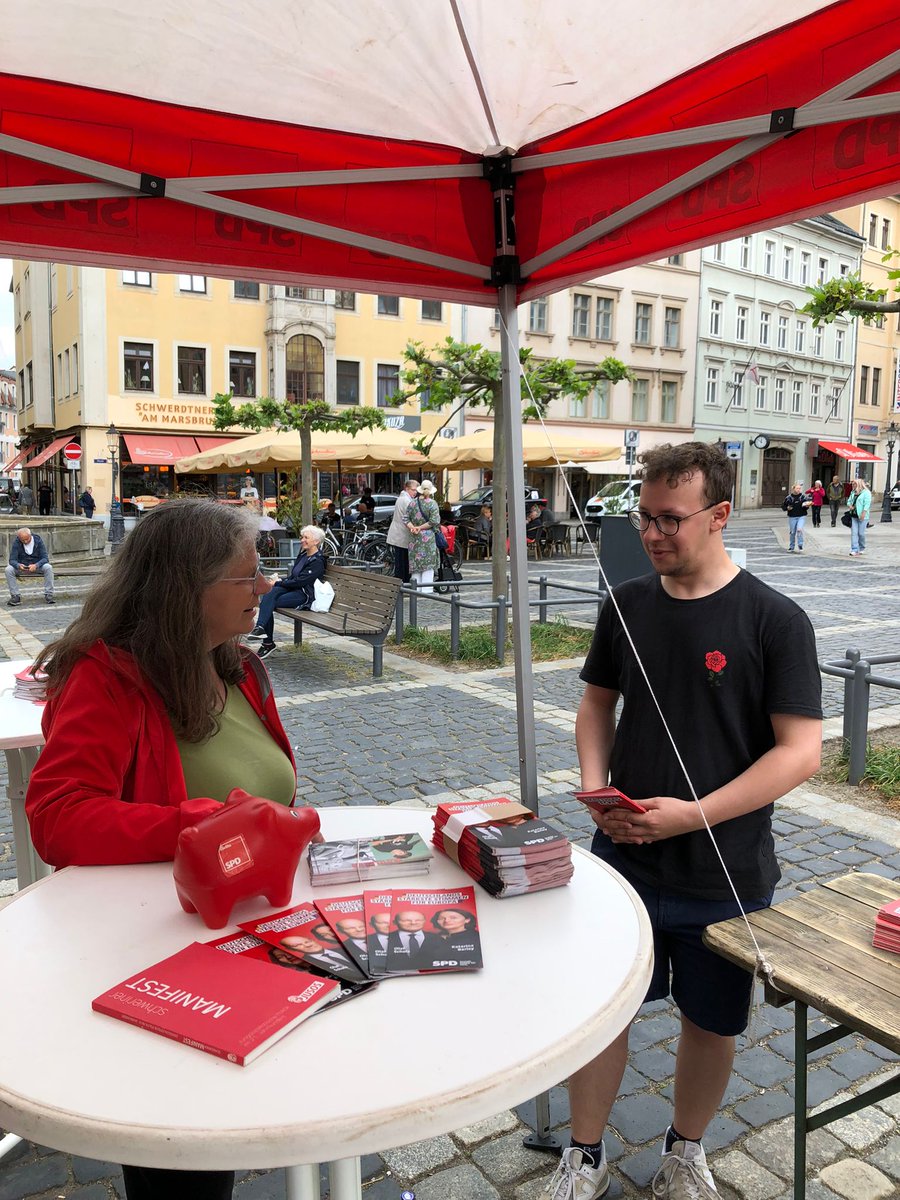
503	846
887	927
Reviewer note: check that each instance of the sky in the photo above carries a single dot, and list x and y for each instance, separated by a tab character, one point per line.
7	325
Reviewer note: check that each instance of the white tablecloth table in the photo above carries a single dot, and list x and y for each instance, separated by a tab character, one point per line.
21	740
564	972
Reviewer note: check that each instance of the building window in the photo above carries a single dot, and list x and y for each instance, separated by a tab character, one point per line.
138	364
192	283
797	398
769	258
712	385
604	319
779	396
388	306
740	323
835	409
245	289
817	341
668	410
800	338
815	398
242	372
805	267
672	329
432	310
822	274
762	393
864	385
191	370
873	229
576	407
737	390
581	315
745	253
388	385
643	314
640	399
765	328
715	318
718	252
876	385
305	293
885	234
537	315
345	301
304	360
787	263
67	377
676	260
59	374
137	278
600	400
839	345
347	381
75	368
782	333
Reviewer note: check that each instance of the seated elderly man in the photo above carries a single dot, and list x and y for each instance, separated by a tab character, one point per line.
297	591
27	556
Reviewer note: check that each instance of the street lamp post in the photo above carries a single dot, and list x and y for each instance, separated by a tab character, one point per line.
116	519
891	433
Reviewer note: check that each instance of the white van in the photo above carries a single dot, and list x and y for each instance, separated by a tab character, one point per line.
617	496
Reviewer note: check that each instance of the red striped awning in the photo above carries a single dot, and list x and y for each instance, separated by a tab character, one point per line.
19	459
849	451
55	446
159	449
210	443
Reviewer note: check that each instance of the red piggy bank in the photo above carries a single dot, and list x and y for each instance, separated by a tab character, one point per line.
251	847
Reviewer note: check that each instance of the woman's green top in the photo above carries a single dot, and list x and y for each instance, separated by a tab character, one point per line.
241	754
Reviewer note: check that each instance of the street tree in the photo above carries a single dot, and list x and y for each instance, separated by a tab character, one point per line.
455	375
850	296
304	417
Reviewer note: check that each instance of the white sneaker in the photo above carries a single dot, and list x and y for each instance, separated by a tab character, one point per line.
684	1174
575	1180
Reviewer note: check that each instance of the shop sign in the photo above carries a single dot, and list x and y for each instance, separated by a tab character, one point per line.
159	413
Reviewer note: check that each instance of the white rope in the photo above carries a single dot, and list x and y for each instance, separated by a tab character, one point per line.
763	966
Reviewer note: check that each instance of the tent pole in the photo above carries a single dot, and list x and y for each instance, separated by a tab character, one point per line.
511	416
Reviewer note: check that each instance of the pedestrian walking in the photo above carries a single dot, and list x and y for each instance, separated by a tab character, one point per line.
860	505
26	499
835	496
795	505
88	503
45	498
817	496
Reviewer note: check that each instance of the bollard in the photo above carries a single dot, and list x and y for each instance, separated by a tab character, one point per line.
398	617
414	607
542	596
850	660
454	626
859	727
501	628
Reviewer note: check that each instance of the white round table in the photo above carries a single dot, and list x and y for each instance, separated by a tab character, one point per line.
564	972
21	740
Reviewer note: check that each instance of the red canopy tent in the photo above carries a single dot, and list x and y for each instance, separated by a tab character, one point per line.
462	149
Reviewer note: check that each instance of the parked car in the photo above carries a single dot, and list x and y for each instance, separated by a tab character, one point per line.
384	506
470	505
617	496
895	496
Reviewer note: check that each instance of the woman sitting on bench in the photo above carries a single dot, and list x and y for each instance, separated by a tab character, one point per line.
297	591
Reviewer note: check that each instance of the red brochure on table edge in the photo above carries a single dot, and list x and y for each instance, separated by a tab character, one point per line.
224	1004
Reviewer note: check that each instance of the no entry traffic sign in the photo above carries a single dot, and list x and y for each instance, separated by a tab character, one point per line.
72	454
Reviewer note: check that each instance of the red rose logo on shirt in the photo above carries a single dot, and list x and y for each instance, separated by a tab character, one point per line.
716	662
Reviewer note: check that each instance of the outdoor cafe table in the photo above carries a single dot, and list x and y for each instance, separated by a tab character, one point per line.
21	740
820	947
564	972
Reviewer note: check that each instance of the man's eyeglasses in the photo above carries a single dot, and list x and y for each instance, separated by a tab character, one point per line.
252	580
667	524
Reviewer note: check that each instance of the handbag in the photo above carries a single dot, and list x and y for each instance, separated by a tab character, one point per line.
324	596
846	518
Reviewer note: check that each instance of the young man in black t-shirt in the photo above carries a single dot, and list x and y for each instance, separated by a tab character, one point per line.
733	666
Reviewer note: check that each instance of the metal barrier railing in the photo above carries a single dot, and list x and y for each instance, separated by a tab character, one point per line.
856	673
499	604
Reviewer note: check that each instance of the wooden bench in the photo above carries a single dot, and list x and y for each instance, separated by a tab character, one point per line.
363	607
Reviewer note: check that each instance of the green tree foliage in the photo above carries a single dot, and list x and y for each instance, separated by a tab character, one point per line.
455	374
850	296
266	413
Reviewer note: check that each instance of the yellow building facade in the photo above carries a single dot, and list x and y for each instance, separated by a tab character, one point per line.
148	353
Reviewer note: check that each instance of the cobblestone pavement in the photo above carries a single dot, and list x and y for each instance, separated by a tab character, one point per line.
331	704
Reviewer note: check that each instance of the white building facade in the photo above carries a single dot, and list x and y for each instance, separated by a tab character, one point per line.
768	384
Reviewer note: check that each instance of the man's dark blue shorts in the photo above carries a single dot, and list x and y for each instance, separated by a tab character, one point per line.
709	990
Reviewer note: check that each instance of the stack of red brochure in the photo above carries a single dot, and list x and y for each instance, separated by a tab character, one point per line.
368	858
887	927
503	846
378	934
229	1006
31	685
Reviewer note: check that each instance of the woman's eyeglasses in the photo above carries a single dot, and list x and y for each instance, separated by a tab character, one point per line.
252	580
